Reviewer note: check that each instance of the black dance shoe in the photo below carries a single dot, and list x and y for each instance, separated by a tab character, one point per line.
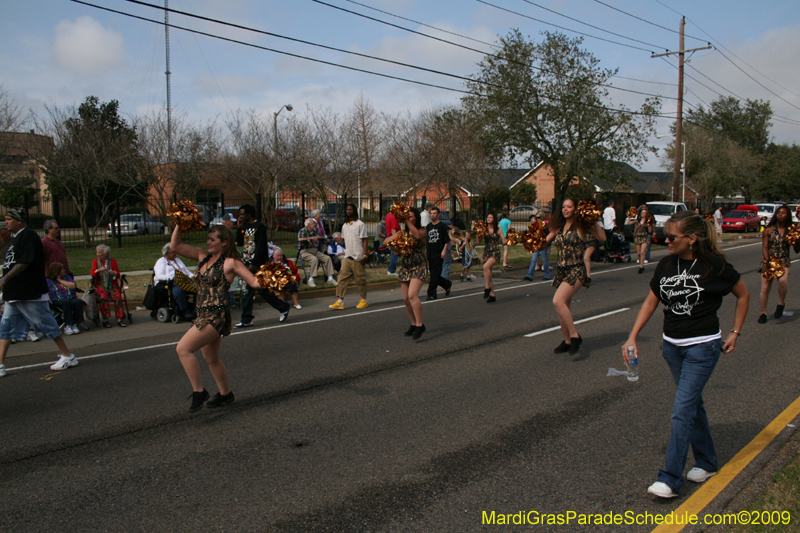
220	400
641	270
410	330
198	400
562	348
491	299
486	293
418	331
575	344
779	311
762	319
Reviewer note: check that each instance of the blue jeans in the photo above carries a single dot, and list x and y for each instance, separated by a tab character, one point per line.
647	251
20	315
545	262
180	298
691	367
393	258
446	270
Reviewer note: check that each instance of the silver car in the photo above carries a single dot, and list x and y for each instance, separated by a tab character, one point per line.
137	224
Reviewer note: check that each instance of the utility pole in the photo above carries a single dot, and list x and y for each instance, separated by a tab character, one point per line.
169	88
676	182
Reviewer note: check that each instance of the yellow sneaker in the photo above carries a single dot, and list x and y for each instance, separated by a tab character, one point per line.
362	304
337	305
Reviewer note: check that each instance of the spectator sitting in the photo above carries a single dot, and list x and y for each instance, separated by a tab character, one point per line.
63	296
336	251
105	282
278	257
164	272
307	239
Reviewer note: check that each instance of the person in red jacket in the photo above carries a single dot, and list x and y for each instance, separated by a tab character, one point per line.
105	282
278	257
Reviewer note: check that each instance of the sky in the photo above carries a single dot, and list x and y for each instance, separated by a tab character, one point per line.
58	52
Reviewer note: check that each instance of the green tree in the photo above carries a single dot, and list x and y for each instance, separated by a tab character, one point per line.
549	103
524	194
781	177
96	160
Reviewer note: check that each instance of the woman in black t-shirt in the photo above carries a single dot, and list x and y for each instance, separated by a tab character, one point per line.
776	245
691	282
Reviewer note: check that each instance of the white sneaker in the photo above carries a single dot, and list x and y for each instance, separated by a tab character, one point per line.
698	475
75	329
311	282
33	336
298	306
392	273
68	330
64	363
2	371
331	280
661	490
646	261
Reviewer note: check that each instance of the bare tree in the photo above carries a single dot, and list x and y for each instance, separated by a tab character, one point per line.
403	160
365	129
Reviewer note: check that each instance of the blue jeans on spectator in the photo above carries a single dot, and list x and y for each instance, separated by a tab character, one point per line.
180	298
647	251
393	258
72	310
545	262
446	269
691	367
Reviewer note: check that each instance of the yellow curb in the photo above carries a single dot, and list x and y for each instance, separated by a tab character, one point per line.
714	486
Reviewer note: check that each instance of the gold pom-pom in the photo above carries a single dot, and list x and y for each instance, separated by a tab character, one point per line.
513	237
588	212
403	245
535	237
651	220
480	229
709	217
186	216
773	268
275	277
793	234
400	212
632	212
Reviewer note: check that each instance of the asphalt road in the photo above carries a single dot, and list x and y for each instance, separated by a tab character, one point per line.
343	424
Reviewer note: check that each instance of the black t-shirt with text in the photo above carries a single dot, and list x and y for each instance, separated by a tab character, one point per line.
253	238
438	237
25	248
691	300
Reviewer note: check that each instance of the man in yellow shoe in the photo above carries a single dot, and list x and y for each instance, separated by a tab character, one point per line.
354	233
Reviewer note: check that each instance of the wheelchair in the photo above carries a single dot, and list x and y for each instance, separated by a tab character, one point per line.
58	314
378	256
165	307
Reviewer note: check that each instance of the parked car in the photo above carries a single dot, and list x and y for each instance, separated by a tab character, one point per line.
766	210
523	213
661	211
742	220
137	224
793	209
217	220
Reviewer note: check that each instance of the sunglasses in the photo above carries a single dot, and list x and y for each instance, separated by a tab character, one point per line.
674	238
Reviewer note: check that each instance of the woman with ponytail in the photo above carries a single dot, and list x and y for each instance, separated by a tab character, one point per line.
776	245
691	282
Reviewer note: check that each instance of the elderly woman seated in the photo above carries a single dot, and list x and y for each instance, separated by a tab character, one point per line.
105	282
336	251
307	239
63	296
165	271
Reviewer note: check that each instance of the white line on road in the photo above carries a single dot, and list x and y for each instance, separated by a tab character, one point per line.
548	330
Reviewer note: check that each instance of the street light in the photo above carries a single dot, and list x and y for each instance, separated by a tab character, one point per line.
683	167
275	125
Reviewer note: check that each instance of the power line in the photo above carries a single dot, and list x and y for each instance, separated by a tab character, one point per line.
494	46
742	60
758	82
416	82
585	24
420	23
648	22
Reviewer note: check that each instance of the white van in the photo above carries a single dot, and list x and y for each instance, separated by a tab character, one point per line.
766	210
661	211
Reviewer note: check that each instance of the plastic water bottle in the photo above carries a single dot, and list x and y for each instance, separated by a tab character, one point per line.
633	365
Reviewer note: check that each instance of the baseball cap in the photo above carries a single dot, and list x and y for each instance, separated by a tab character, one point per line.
17	213
230	217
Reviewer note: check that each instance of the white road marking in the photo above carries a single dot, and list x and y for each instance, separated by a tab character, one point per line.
548	330
361	313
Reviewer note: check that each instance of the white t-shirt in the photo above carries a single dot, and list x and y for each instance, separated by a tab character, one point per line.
165	270
609	218
424	218
353	233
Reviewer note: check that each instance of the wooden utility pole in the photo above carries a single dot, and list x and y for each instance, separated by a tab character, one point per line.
676	182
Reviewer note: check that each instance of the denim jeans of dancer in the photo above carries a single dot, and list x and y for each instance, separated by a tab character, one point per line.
691	367
545	254
393	258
